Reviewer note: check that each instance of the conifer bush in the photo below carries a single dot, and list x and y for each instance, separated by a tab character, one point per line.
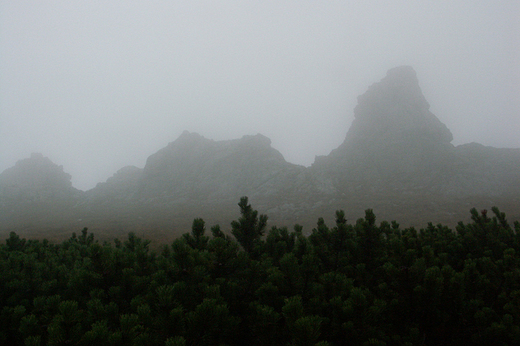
363	284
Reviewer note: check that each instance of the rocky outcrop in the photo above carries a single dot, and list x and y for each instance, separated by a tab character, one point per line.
397	158
36	193
36	179
393	133
395	144
196	168
394	111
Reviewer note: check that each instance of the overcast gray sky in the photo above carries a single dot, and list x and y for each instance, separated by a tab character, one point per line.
97	85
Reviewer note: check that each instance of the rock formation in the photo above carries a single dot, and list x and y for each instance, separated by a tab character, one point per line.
35	179
35	193
394	137
396	144
394	111
196	168
397	158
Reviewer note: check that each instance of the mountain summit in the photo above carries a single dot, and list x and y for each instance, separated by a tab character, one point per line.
393	136
197	168
395	110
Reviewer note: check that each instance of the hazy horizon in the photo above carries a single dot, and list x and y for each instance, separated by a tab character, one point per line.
97	86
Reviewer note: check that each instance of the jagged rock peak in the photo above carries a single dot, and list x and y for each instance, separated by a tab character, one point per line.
36	171
195	166
395	107
190	147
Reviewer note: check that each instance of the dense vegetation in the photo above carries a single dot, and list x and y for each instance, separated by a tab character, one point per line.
359	284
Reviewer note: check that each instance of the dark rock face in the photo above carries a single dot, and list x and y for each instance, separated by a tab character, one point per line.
193	167
395	110
35	193
397	158
36	178
393	133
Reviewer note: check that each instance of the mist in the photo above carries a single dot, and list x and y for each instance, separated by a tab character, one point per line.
98	85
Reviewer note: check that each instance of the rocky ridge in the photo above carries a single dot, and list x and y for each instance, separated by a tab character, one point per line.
397	158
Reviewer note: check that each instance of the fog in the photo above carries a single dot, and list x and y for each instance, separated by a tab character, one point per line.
98	85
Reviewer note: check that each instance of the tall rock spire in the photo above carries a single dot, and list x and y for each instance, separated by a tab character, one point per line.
394	110
393	134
